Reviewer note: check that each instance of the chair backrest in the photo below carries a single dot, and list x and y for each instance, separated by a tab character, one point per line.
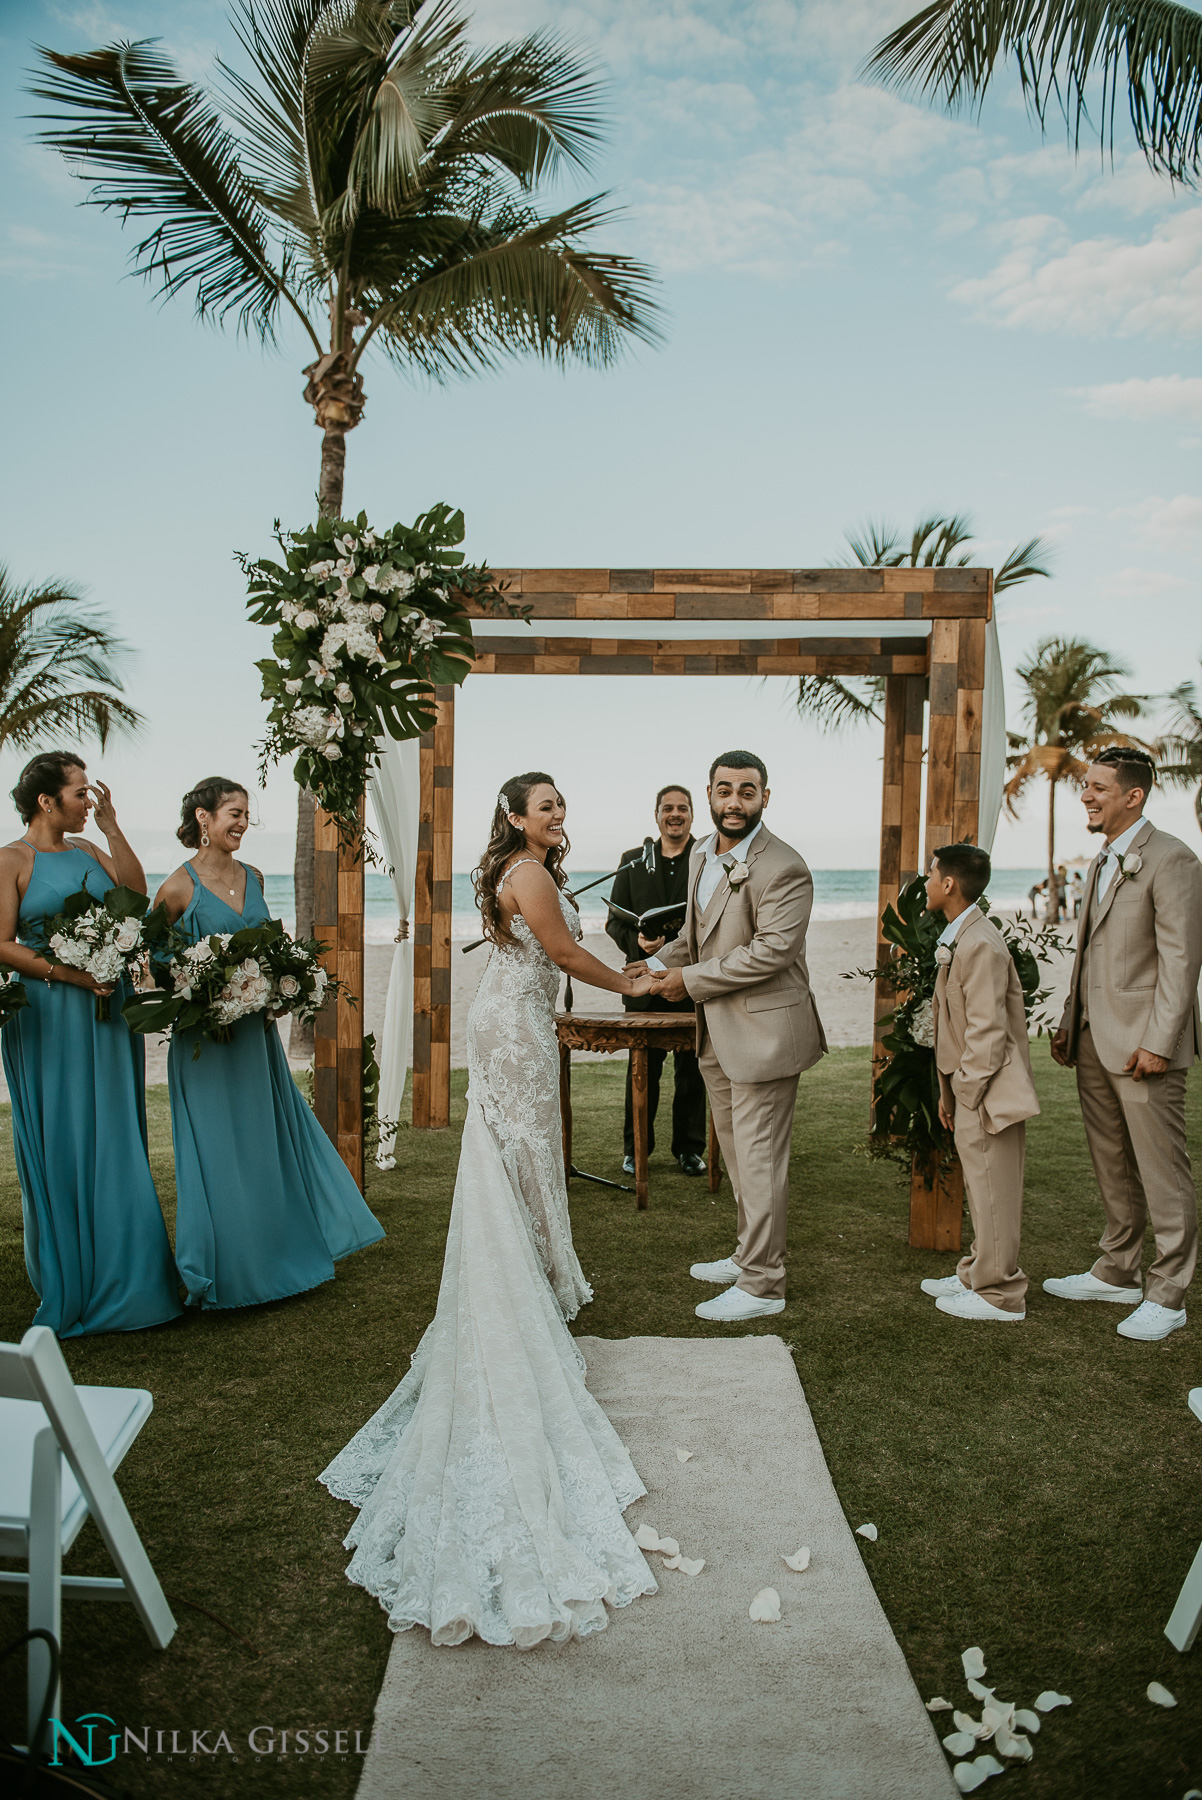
15	1383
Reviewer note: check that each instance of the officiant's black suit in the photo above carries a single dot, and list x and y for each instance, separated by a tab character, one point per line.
638	889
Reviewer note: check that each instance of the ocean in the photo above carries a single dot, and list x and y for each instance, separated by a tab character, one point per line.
838	894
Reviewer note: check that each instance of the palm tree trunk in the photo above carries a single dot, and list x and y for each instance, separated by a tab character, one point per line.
1053	886
333	472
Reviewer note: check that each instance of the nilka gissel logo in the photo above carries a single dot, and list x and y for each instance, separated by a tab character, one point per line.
94	1739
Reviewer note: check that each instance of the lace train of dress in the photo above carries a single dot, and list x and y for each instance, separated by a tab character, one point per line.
491	1484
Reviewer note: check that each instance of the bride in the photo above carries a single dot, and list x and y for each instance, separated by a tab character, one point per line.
490	1484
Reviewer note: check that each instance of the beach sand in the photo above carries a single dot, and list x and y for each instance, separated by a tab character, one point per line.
834	945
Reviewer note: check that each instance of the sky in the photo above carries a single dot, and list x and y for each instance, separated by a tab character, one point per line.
870	310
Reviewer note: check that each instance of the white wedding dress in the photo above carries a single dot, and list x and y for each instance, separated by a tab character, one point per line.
491	1484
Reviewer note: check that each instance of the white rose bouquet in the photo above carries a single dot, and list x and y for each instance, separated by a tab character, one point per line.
108	939
211	984
366	625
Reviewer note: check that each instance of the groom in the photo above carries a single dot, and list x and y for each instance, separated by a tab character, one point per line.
741	959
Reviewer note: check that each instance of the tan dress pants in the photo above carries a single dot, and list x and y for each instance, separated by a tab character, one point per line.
1136	1136
993	1164
754	1122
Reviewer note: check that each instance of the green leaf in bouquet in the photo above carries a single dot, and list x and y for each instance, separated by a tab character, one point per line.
125	903
153	1011
75	905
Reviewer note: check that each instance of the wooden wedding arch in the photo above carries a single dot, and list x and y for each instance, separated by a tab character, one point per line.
930	647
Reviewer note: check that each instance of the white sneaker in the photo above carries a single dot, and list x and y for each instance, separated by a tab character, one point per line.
943	1286
1088	1287
734	1305
1151	1321
971	1306
723	1272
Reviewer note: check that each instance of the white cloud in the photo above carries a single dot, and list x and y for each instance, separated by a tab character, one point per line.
1135	583
1045	282
1151	398
1170	523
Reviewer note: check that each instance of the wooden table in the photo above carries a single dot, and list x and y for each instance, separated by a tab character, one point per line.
636	1032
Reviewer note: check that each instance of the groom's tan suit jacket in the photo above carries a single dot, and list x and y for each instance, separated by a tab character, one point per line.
744	964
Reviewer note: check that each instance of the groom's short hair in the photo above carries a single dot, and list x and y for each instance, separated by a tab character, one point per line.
739	759
968	865
1132	768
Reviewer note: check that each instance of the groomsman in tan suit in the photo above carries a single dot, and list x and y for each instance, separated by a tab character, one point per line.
1131	1028
986	1093
741	959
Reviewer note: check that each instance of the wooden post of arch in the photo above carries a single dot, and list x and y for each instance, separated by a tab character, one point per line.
432	921
338	904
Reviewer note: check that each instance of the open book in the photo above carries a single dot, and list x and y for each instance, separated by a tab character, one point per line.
656	922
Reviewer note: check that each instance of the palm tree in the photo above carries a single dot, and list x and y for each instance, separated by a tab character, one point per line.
834	703
1179	752
1061	48
57	673
372	176
1072	705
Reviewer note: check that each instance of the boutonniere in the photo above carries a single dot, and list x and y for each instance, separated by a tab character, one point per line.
736	875
943	955
1129	864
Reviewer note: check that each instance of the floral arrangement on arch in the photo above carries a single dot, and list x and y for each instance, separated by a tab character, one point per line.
905	1092
367	624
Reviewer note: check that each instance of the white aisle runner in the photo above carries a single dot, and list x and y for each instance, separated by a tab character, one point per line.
683	1697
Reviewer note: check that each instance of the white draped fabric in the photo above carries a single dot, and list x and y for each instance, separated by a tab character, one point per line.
993	740
396	798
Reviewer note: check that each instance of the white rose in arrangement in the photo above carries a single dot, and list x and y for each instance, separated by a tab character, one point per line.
127	934
306	620
331	752
288	610
200	953
343	693
922	1026
371	574
289	987
58	943
294	686
376	612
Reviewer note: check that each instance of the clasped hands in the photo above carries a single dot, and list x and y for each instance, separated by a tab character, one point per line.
1140	1065
661	984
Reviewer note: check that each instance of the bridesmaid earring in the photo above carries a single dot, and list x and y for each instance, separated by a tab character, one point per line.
204	838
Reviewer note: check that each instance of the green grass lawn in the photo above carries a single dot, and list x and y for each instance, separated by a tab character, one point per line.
1037	1491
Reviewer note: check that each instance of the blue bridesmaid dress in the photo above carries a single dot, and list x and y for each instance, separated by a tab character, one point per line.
265	1206
96	1247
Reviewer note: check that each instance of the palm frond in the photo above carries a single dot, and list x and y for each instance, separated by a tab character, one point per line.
874	544
535	289
1023	563
50	643
834	705
1148	52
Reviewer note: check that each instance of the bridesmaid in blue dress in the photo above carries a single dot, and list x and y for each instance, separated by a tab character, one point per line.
95	1243
265	1205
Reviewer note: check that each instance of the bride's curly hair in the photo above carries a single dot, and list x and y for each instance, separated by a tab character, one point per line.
504	839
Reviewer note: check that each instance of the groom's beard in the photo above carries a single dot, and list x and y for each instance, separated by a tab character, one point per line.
750	821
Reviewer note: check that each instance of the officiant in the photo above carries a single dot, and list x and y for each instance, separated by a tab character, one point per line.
638	891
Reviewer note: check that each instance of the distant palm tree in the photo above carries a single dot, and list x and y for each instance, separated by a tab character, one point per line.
371	175
1180	750
1072	705
834	703
1146	51
57	673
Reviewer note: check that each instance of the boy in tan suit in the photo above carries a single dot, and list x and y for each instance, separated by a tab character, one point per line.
741	959
986	1093
1132	1030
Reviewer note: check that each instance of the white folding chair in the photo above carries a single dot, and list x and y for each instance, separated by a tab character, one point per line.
1186	1616
45	1418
